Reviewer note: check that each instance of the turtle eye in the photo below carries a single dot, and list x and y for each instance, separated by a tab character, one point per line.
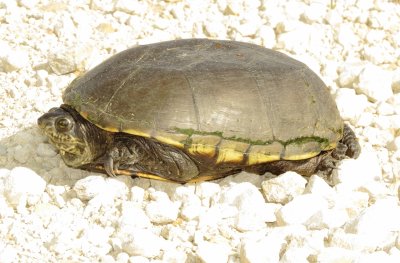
63	124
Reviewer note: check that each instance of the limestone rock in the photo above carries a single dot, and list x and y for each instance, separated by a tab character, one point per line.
376	83
284	187
23	186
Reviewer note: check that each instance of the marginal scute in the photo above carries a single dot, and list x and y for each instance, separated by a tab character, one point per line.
204	145
137	132
109	128
175	139
264	153
300	151
231	151
331	146
84	114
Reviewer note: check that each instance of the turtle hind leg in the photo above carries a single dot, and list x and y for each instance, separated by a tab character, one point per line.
305	167
330	161
350	140
322	165
348	146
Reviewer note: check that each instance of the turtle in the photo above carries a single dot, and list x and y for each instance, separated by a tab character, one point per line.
191	110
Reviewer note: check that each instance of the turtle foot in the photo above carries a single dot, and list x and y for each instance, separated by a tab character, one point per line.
349	139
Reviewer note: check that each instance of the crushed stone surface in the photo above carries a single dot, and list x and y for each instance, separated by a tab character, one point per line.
52	213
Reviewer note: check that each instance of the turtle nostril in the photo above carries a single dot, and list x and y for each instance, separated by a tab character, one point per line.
41	122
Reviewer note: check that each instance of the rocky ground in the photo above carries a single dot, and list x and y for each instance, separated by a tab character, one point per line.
49	212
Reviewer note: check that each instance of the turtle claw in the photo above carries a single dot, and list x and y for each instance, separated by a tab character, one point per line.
109	166
329	164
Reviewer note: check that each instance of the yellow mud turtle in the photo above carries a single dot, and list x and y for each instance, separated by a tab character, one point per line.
198	109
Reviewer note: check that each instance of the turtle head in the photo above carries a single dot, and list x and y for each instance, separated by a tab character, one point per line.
78	140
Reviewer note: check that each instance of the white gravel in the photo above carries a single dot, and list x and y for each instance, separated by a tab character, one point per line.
51	213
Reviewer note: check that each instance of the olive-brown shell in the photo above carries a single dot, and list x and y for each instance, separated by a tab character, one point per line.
227	100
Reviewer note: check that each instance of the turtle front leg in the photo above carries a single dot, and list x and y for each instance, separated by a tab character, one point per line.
109	164
147	158
110	161
119	152
137	156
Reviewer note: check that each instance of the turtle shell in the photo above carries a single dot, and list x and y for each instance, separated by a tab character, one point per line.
230	101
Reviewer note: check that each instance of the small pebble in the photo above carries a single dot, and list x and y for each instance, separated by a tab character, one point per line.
284	187
209	252
353	173
191	208
68	60
378	256
249	203
23	186
362	242
142	242
118	187
298	255
14	60
90	186
351	105
352	202
318	186
137	195
382	217
132	217
132	7
346	36
266	249
315	12
335	254
327	218
8	253
207	190
162	211
138	259
372	77
300	209
122	257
